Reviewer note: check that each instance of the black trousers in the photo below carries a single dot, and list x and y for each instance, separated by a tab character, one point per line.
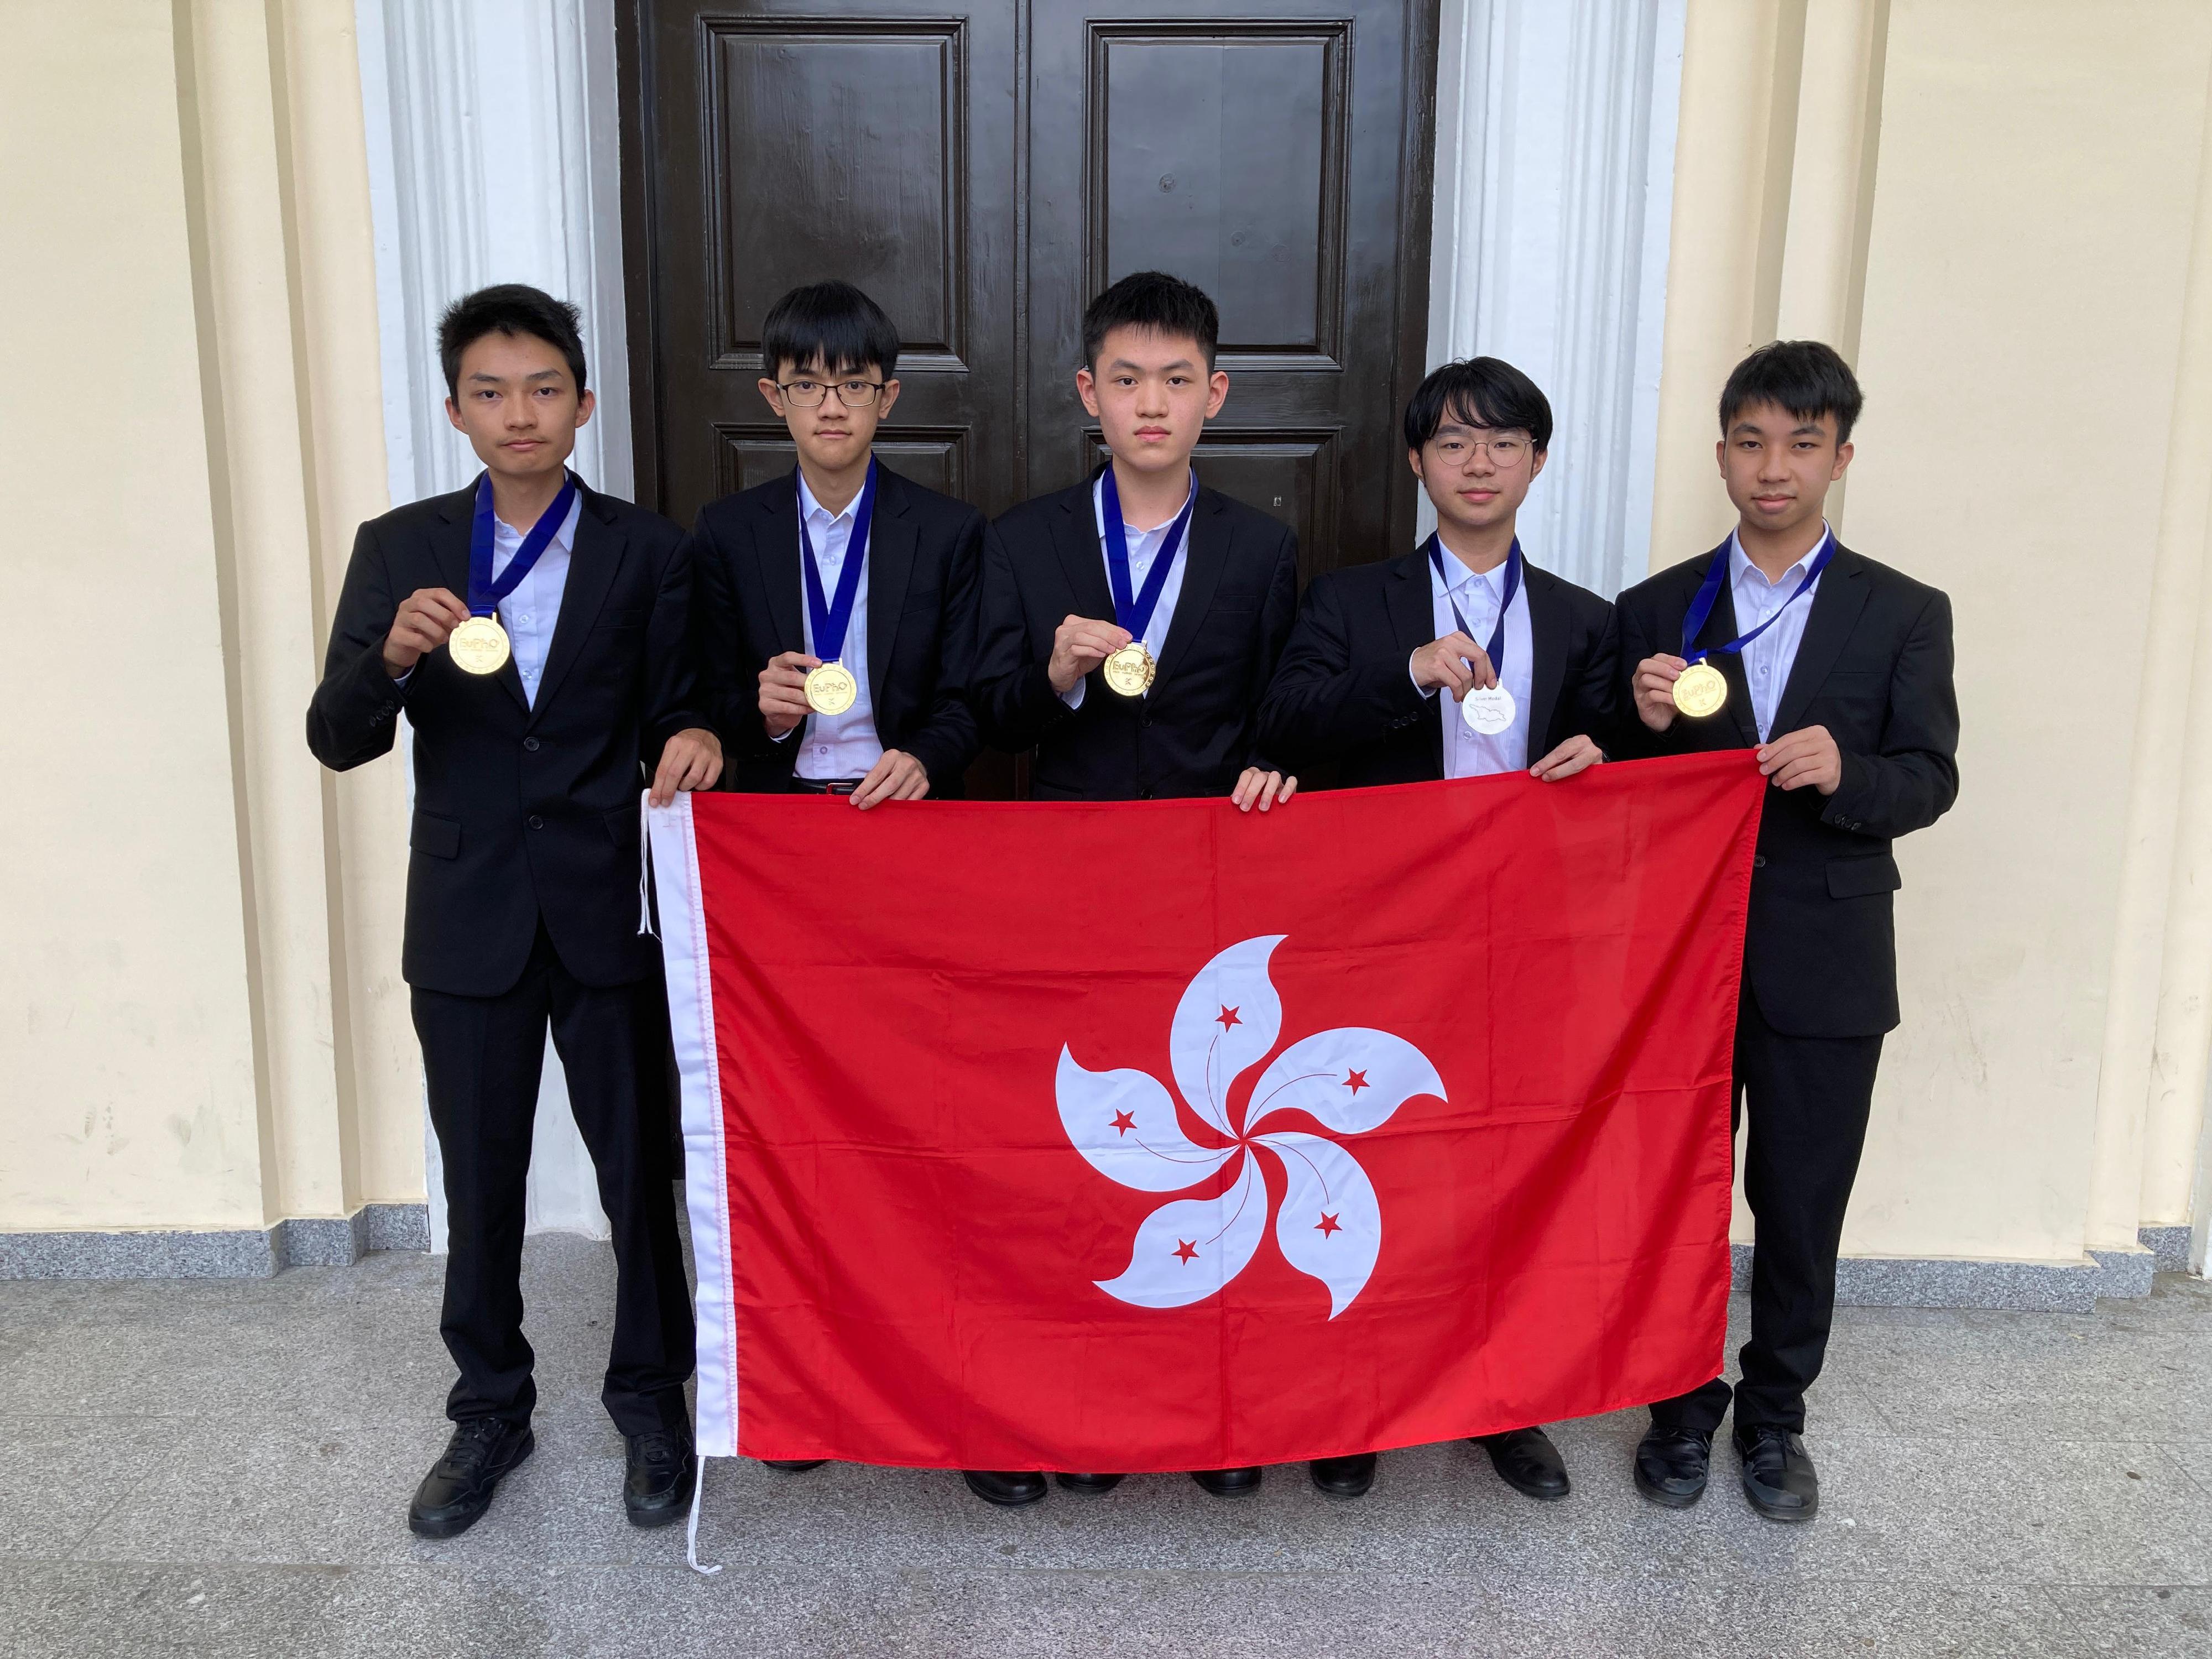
1807	1098
482	1056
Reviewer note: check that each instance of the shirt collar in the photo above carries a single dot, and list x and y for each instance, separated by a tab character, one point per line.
814	509
506	534
1740	569
1459	578
1098	502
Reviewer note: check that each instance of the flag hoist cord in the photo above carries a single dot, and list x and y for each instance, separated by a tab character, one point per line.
691	1532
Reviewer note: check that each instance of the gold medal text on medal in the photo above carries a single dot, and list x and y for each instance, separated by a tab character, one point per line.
831	688
479	645
1129	670
1700	690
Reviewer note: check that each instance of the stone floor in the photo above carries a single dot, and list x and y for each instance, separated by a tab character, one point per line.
222	1468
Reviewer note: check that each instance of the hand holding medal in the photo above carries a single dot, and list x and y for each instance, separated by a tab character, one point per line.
480	646
1488	710
1700	689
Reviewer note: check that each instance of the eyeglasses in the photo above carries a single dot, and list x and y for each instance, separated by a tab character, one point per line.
810	394
1505	450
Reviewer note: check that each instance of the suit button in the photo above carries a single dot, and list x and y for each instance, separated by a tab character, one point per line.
1759	860
537	823
531	744
1144	794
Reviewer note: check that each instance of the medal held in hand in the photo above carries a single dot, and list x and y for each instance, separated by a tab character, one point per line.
480	646
1488	710
831	689
1130	672
1701	689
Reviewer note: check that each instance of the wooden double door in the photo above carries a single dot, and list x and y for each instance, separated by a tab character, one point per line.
982	169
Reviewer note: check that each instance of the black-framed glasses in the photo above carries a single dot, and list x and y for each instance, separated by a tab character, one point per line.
810	394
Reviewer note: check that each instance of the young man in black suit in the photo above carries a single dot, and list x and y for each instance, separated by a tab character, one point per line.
1838	670
1131	623
839	560
1458	660
532	630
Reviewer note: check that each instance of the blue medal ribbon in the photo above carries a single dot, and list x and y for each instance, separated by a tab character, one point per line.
484	593
831	617
1496	649
1134	611
1708	591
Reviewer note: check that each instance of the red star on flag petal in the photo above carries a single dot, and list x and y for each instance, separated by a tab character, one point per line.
1124	1122
1185	1250
1356	1081
1227	1018
1327	1225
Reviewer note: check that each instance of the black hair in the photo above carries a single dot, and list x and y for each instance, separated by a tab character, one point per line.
1805	377
509	308
1153	300
832	322
1485	392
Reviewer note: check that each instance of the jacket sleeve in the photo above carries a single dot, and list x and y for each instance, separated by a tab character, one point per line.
948	738
728	682
671	703
355	712
1321	703
1914	778
1593	694
1277	617
1012	697
1629	643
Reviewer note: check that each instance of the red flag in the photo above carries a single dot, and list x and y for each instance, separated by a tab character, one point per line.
1155	1135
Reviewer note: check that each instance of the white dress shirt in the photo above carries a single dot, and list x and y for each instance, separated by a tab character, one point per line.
1468	752
532	611
1143	548
1768	658
833	747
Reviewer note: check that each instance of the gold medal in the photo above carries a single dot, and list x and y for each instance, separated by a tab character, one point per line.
830	689
1129	670
1700	690
478	646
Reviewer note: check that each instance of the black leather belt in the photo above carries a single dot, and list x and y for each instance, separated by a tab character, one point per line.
824	786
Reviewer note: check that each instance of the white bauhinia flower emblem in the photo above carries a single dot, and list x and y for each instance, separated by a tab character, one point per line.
1124	1122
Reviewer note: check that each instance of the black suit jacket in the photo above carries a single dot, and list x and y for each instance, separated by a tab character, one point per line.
521	811
1875	668
1342	692
1195	731
924	561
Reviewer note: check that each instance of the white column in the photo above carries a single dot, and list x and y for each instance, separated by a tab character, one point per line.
1554	176
492	132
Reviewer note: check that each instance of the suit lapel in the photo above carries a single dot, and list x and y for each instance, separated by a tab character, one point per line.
1547	644
1411	602
1210	535
777	544
450	548
1837	602
1720	627
593	562
892	540
1080	555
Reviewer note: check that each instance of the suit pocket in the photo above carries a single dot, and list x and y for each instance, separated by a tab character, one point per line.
439	838
1861	877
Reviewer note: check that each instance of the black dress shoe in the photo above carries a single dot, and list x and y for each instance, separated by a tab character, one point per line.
1089	1486
1672	1464
1228	1483
793	1465
454	1495
1344	1477
1008	1488
1527	1461
1777	1474
660	1471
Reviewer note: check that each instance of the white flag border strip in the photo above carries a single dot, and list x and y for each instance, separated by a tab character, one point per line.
706	1182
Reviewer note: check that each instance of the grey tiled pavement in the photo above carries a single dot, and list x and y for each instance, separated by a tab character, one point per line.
222	1468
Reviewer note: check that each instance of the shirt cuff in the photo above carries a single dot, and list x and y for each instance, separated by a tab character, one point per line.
1426	691
1073	695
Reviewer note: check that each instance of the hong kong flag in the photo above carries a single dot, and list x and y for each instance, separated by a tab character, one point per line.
1155	1135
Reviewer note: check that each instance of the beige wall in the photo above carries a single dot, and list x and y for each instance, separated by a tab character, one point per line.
2001	209
190	331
